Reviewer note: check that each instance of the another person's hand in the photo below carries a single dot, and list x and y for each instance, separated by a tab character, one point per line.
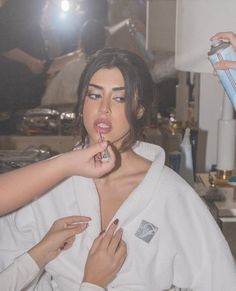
230	36
227	35
36	66
106	257
60	237
84	162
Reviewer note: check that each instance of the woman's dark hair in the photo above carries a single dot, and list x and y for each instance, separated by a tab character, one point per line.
138	89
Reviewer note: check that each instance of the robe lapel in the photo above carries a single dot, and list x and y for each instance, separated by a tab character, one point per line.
140	197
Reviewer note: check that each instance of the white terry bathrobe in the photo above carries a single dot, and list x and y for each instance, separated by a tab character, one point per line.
171	237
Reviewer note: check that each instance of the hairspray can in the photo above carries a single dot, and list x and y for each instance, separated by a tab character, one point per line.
223	50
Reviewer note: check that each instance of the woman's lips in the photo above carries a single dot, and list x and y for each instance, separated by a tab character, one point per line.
103	126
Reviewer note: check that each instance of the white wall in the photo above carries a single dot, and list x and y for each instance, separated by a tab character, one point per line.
160	33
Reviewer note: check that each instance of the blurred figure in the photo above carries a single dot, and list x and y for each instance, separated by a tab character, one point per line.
24	62
97	10
62	89
23	54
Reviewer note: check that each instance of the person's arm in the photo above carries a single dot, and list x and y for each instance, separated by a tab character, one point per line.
105	258
28	266
59	62
35	65
231	37
20	186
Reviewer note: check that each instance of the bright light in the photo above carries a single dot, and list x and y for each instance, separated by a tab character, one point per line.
65	5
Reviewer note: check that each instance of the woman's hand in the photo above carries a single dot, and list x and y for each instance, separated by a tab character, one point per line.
60	237
106	257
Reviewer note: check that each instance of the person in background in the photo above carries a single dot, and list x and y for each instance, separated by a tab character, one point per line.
22	54
231	37
62	88
172	239
20	186
24	63
162	69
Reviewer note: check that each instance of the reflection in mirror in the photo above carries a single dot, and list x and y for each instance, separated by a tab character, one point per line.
38	73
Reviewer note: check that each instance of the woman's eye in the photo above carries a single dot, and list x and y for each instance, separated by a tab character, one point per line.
93	96
120	99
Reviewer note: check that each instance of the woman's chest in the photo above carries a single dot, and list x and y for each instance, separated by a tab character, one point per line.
111	198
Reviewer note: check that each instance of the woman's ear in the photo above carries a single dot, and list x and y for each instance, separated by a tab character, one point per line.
140	112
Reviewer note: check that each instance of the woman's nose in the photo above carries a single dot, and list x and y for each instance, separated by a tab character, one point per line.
105	107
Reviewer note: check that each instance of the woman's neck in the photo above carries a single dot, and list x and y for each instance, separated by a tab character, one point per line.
127	163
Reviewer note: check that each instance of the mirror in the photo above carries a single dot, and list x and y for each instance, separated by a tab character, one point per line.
61	23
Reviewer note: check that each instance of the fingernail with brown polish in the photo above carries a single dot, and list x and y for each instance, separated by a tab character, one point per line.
116	221
101	232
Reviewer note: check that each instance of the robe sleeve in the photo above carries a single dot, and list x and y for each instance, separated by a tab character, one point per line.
19	274
17	237
203	261
90	287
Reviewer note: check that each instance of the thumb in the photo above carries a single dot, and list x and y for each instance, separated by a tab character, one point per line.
96	148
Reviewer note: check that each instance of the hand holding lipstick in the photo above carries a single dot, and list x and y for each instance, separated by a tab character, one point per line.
105	157
90	163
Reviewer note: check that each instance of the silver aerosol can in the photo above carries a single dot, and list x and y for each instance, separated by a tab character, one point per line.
223	50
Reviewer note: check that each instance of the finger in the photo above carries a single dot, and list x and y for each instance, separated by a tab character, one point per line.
111	153
75	229
65	234
97	160
120	257
108	235
121	252
96	148
96	244
115	241
72	220
223	35
68	243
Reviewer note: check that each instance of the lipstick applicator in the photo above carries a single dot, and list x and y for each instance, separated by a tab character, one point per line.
105	154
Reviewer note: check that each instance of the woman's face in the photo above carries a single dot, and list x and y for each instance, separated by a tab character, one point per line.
104	107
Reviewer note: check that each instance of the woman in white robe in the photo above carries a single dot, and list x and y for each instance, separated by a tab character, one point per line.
172	239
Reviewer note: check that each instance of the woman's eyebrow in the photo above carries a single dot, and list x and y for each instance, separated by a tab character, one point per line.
95	86
118	88
100	87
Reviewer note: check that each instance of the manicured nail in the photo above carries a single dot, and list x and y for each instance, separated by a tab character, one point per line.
84	225
116	221
64	245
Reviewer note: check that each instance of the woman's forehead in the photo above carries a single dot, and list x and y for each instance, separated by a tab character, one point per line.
105	75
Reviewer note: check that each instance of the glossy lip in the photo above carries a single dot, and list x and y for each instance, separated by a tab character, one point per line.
105	122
